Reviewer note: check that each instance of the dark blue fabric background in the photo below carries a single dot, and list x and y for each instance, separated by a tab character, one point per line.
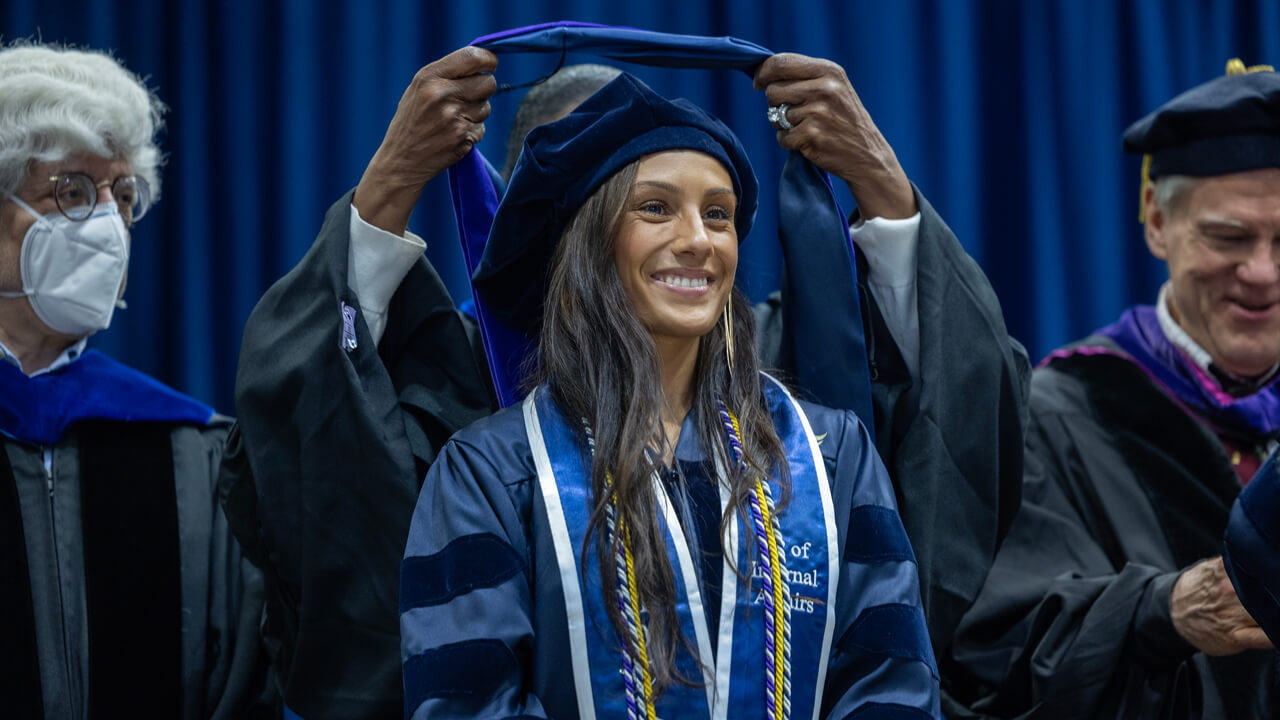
1007	114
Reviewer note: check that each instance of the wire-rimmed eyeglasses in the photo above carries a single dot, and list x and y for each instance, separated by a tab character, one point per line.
77	195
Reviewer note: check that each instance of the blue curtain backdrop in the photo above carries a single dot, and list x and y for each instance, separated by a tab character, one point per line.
1008	115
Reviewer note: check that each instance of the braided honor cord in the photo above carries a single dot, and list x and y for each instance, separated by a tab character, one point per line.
776	596
636	679
777	589
635	673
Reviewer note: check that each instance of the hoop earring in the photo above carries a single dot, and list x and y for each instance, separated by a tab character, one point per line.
727	317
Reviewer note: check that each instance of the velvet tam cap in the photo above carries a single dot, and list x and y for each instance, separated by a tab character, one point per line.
564	162
1227	125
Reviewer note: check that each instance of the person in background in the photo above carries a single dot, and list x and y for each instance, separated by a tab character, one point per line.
1109	598
124	593
551	100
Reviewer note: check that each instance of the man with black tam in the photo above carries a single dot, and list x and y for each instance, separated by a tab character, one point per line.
336	432
1108	599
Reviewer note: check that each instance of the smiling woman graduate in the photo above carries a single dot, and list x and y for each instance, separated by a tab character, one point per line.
658	529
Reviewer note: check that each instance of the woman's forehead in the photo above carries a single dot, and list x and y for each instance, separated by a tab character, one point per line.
685	165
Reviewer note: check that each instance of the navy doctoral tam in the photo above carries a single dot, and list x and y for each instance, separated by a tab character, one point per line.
1230	124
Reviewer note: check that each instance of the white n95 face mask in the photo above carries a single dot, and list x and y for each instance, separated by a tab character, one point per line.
73	272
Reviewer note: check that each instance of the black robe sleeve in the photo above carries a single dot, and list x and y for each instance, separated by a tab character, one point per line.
1074	619
325	465
953	442
1060	633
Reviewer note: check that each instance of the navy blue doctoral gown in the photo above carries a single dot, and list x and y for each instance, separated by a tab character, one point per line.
491	637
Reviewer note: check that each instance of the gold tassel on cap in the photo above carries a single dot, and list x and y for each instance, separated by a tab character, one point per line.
1235	66
1142	189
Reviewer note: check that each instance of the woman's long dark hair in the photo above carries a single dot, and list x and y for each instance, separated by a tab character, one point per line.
601	365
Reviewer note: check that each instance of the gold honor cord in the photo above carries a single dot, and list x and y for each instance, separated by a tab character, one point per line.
778	605
777	610
637	629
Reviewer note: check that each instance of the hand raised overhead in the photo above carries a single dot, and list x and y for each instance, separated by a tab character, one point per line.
834	131
440	117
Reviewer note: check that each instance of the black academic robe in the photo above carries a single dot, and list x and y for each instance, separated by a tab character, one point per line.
370	422
1124	490
325	464
122	591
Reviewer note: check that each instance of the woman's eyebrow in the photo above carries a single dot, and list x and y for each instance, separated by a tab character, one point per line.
658	184
672	188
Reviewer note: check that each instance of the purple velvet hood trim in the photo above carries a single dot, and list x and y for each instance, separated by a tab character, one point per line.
1142	341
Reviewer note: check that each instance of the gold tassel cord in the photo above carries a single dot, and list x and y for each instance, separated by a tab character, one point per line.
1236	66
1142	189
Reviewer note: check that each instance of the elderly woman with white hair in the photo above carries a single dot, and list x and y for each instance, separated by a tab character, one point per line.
123	589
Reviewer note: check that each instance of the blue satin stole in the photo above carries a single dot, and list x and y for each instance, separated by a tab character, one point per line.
737	678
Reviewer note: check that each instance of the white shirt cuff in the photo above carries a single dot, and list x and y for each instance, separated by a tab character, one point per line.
377	262
891	247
